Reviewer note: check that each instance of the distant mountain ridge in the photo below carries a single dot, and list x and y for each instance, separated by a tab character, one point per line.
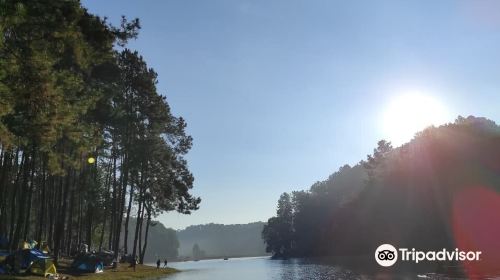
162	241
218	240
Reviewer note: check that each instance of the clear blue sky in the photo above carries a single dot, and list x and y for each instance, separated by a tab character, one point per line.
280	94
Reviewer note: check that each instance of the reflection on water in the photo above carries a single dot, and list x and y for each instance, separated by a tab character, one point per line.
257	268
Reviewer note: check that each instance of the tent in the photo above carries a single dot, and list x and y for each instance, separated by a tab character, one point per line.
31	260
107	257
29	244
88	263
36	262
43	267
25	257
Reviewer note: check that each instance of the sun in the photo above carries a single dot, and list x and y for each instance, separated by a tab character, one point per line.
408	113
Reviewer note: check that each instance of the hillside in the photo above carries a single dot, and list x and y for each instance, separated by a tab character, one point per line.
241	240
440	190
223	240
162	241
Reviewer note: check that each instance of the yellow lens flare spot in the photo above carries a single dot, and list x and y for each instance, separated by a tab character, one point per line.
91	160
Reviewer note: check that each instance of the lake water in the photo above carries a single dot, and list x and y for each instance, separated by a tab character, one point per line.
256	269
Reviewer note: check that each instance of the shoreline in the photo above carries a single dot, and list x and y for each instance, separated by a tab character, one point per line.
217	258
123	272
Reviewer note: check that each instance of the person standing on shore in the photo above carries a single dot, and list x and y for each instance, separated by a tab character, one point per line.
133	262
165	263
158	262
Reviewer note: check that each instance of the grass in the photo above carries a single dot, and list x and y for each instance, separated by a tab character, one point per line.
123	272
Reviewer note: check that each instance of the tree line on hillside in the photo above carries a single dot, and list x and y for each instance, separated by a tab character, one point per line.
201	241
71	93
218	240
405	196
162	242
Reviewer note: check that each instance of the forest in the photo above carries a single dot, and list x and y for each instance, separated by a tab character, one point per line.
440	190
201	241
86	139
162	242
217	240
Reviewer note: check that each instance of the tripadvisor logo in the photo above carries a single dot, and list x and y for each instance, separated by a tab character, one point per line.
387	255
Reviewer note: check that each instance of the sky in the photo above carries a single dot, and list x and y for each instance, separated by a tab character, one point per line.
279	94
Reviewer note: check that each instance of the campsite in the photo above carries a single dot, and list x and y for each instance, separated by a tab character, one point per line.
244	139
35	262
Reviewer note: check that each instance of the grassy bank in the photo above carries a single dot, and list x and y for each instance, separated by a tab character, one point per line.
123	272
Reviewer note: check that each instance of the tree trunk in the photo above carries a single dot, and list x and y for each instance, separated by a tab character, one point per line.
21	203
69	230
30	196
139	221
113	208
59	232
119	220
137	225
143	253
41	213
4	182
125	237
106	205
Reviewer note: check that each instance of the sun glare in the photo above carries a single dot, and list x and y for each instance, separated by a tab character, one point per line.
409	113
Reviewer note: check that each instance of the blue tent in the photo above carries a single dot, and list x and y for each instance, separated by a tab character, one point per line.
31	260
26	257
88	263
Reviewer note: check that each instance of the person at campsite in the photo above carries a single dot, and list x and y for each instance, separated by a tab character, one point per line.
133	261
158	262
165	263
